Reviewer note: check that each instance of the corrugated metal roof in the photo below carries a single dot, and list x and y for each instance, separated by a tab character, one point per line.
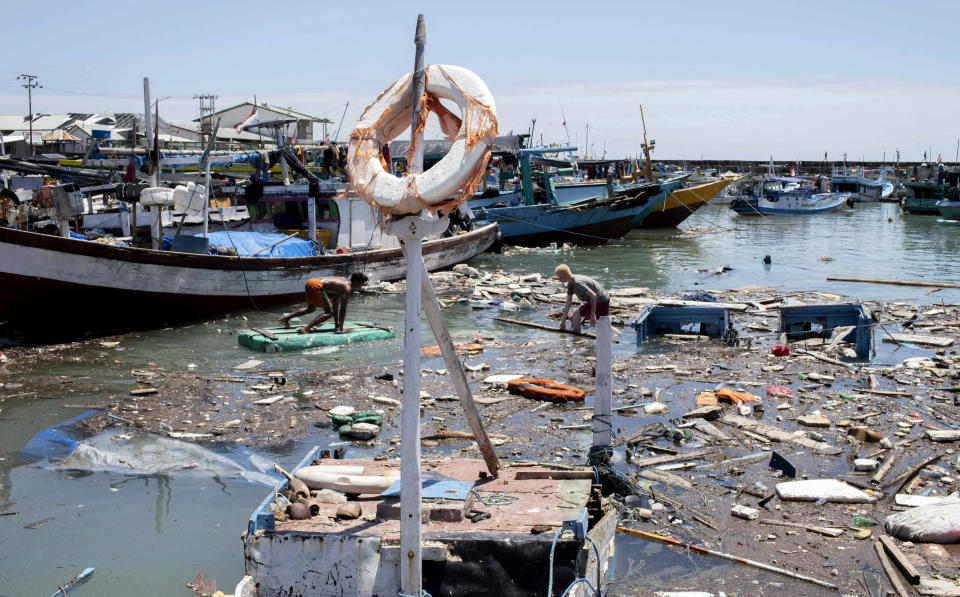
277	109
59	135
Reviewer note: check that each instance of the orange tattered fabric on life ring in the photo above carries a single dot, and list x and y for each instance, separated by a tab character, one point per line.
454	178
545	389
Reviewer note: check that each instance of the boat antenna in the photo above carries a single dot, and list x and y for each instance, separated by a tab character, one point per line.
337	134
564	116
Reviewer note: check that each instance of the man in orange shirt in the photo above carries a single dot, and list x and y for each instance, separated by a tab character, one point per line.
330	294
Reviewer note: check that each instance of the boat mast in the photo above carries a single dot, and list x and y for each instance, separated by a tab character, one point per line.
646	147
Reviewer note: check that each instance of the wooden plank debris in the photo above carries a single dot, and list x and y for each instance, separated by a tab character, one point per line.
776	434
540	326
921	339
909	572
895	282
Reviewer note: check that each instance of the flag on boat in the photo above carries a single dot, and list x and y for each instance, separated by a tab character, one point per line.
252	118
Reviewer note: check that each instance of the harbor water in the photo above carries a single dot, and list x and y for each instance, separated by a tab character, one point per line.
151	534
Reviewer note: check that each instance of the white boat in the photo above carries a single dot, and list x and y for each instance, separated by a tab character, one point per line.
787	196
856	183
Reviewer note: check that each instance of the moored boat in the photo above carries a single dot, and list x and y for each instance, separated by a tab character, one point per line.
787	196
922	197
927	186
861	188
129	285
949	206
682	203
589	222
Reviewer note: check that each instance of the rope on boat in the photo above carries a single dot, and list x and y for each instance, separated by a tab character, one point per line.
603	238
243	271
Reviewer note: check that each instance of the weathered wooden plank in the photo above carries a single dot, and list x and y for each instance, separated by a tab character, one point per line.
895	282
922	339
909	572
774	433
679	303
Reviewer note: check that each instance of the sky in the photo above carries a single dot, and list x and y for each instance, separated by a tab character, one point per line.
739	80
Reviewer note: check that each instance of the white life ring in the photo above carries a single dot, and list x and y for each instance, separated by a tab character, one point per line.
454	178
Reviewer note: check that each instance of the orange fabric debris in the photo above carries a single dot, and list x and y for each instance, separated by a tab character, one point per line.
731	397
434	351
707	399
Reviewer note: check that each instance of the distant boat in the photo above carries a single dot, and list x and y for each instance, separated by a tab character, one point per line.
682	203
887	190
922	197
949	207
928	184
860	188
787	196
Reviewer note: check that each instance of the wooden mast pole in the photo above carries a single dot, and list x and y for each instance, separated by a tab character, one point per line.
646	147
411	572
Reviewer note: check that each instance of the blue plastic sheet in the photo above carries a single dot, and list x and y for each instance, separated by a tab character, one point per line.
56	441
247	243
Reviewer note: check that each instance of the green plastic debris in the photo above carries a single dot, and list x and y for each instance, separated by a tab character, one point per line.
341	420
847	395
864	521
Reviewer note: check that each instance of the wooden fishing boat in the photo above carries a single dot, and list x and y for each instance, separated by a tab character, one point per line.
922	197
588	222
681	203
63	279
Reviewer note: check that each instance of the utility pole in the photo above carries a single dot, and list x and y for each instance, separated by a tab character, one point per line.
207	109
30	85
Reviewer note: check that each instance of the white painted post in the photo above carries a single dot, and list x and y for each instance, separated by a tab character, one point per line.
285	172
312	218
431	309
602	414
156	225
208	193
411	560
411	581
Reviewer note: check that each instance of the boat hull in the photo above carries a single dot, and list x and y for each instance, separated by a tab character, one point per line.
924	206
949	210
540	225
922	197
64	279
828	202
682	203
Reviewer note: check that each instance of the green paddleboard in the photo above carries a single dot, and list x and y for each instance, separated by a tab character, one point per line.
288	339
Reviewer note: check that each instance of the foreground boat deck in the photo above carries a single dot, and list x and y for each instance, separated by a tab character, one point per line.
505	554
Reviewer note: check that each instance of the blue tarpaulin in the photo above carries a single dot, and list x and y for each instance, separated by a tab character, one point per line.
251	242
